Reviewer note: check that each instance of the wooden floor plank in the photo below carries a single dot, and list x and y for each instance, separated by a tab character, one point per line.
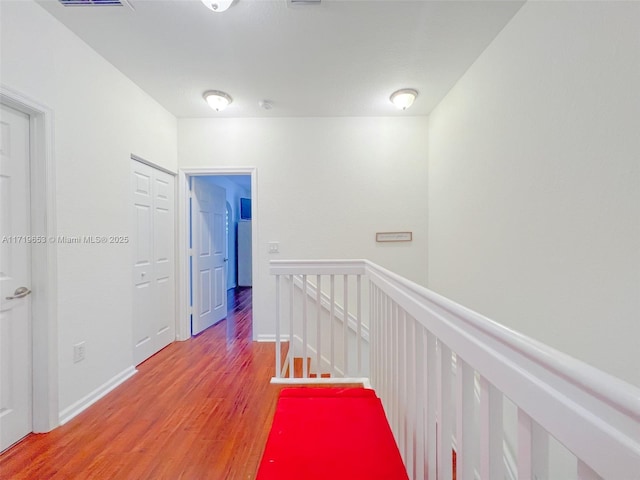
199	409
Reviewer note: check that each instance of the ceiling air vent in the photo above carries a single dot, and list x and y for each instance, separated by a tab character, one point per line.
95	3
296	3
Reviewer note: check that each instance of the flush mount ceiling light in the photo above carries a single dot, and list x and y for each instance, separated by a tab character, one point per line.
404	98
217	100
217	5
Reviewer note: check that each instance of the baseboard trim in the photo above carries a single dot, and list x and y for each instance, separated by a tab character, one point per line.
85	402
271	337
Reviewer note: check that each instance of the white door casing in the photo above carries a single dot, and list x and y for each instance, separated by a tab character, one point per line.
15	272
185	253
153	248
209	242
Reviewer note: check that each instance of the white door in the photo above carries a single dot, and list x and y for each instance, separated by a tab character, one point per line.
15	278
209	239
152	241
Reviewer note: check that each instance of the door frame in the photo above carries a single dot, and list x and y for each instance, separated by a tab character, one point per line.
183	323
44	272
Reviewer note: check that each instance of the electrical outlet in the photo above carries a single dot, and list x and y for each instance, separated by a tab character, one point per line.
78	352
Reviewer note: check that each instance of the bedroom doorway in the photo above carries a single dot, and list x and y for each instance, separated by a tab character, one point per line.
238	183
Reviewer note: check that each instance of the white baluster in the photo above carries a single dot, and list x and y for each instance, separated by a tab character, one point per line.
332	340
278	365
372	336
491	432
359	323
466	436
432	404
318	323
345	326
380	339
393	363
402	384
291	341
410	458
383	345
533	449
458	413
305	372
384	339
420	401
540	452
389	351
396	368
525	470
446	419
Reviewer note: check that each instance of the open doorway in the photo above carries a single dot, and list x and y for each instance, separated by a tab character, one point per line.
210	228
237	218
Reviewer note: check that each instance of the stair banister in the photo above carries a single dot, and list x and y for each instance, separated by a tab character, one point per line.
414	338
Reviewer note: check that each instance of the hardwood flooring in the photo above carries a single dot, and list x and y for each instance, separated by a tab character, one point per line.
199	409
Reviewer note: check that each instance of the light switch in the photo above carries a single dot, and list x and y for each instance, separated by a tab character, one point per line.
274	247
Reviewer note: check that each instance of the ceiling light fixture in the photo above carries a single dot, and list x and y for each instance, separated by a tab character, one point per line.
217	5
403	98
217	100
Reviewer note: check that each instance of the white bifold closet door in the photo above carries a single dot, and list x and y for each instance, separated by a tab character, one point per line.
153	246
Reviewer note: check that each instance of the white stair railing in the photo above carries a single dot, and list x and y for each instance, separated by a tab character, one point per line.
448	378
319	311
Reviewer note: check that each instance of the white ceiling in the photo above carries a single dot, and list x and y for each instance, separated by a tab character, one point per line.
340	58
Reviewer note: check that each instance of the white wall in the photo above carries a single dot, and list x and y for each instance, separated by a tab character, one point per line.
325	187
534	182
100	118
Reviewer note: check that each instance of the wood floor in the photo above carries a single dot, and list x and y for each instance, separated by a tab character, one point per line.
199	409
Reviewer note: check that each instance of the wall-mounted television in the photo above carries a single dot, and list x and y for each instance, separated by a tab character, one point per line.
245	209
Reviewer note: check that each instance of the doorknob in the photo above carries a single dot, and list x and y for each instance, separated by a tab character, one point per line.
226	259
19	293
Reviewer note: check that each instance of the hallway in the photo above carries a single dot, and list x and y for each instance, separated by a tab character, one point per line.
199	409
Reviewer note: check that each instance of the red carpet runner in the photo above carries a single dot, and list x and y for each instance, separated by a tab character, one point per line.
330	433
